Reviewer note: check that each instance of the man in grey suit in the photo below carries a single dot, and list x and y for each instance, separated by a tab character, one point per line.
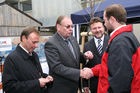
63	55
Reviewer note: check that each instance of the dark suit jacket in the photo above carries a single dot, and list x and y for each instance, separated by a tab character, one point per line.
63	66
91	46
21	73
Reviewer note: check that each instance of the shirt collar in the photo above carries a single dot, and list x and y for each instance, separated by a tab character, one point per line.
24	48
63	37
96	39
116	29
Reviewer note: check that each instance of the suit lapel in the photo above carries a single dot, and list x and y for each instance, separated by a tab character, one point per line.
65	46
73	45
106	38
73	42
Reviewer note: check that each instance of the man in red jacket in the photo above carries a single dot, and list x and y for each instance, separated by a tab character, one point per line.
119	71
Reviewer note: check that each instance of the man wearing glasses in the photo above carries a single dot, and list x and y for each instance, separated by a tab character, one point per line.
63	56
22	71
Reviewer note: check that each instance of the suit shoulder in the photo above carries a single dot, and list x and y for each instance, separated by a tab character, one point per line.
89	42
52	42
128	37
51	39
13	54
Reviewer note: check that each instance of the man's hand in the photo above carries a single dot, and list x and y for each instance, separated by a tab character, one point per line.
50	78
88	55
86	73
43	81
86	90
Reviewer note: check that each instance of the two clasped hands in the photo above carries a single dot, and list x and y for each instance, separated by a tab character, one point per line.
87	72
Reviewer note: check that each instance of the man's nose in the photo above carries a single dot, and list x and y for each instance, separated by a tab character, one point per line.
71	28
98	29
36	45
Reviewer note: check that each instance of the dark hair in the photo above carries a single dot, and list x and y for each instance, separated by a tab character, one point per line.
27	31
117	11
95	20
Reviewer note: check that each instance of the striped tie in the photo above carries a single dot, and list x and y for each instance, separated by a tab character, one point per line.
99	48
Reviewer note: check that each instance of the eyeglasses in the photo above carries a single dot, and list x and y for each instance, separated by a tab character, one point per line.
68	26
34	42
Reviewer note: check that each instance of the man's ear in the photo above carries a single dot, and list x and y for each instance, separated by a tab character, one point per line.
23	38
112	20
58	27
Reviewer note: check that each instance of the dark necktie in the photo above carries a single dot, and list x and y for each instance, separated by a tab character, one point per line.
99	48
30	54
70	47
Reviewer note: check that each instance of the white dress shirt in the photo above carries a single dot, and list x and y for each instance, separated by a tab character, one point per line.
96	40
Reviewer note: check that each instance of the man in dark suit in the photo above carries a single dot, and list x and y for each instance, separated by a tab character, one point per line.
97	46
63	56
22	71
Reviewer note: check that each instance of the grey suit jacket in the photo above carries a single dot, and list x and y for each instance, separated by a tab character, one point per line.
63	66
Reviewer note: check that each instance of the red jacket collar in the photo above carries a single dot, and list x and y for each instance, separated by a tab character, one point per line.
127	28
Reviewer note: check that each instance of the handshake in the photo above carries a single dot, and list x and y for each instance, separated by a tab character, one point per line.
86	73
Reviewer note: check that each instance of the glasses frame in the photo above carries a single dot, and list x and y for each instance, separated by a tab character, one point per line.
33	42
68	26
